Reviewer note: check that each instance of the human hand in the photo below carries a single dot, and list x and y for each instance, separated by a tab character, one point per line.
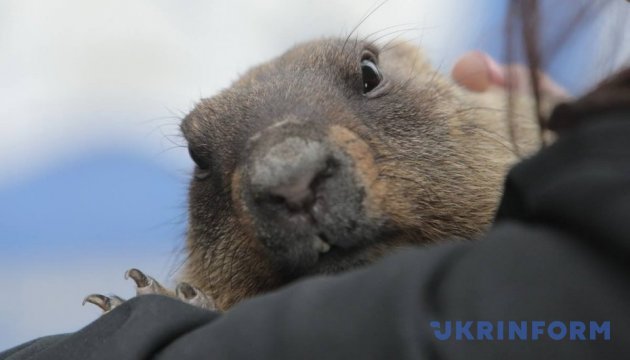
478	72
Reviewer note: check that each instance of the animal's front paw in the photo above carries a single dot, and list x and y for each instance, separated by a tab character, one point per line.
147	285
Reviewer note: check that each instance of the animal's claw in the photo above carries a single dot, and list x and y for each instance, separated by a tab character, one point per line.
145	284
137	276
193	296
106	303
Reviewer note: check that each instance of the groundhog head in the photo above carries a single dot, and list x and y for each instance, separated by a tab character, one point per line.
333	154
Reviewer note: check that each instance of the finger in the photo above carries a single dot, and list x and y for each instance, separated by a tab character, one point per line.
477	71
518	78
551	88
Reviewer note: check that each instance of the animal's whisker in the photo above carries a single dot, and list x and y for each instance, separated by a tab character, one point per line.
410	26
398	33
356	27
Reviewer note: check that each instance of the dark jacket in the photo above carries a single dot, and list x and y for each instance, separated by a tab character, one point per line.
558	251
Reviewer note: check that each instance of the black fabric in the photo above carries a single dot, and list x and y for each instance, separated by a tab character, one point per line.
31	348
558	251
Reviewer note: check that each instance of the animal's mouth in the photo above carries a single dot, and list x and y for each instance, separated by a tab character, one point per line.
329	257
321	244
328	251
332	256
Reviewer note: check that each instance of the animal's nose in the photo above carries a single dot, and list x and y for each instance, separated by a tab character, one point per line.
289	175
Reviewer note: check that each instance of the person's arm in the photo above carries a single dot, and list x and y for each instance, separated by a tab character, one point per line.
557	252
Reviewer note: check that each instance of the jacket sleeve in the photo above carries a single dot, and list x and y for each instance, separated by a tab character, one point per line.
557	252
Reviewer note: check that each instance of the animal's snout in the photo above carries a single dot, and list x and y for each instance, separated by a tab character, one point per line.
303	195
290	175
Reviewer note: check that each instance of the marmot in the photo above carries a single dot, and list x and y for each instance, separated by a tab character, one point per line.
328	157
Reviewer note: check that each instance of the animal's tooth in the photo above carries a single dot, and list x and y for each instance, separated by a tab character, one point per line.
320	245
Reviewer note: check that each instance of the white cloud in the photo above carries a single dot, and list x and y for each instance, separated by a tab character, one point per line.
76	74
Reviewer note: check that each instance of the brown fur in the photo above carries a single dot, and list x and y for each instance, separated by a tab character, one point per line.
429	156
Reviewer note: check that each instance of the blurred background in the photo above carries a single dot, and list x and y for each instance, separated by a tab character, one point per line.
93	172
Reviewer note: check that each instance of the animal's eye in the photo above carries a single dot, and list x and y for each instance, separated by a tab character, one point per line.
371	75
200	161
203	164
